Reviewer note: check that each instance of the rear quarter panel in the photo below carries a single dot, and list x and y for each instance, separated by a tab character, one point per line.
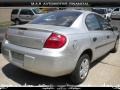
78	43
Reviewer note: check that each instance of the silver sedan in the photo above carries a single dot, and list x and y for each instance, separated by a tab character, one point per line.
60	43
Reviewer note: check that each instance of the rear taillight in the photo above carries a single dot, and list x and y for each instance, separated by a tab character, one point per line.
55	41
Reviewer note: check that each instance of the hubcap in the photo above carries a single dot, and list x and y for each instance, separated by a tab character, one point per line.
84	67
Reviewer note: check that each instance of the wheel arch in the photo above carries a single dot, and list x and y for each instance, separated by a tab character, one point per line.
89	52
86	51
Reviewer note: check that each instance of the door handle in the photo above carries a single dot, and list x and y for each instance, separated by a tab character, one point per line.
94	39
108	37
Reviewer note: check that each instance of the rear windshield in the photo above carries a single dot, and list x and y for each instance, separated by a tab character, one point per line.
15	11
58	18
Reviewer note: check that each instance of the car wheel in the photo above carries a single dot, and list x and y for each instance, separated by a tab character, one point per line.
81	71
17	22
115	49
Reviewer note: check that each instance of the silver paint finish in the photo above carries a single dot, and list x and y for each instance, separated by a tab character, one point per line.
55	62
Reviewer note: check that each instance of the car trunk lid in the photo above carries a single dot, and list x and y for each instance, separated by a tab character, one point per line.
30	37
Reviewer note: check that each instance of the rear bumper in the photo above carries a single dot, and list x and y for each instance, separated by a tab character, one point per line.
39	61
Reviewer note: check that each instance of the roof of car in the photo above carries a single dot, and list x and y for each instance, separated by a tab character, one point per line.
78	10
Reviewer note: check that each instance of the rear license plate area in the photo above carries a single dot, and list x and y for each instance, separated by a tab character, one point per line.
17	56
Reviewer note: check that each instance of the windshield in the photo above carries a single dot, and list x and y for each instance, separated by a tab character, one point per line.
58	18
37	11
100	11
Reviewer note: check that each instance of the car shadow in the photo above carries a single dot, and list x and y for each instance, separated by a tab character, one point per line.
99	60
27	78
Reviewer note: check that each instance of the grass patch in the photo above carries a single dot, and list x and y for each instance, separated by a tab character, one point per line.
5	24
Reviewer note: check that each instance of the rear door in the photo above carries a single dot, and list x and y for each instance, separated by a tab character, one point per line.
109	39
97	35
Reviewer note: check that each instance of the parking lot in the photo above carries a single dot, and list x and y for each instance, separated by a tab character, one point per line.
105	71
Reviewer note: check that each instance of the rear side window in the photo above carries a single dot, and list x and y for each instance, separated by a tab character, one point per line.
92	22
15	11
26	12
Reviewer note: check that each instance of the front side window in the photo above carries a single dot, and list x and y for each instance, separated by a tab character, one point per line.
58	18
92	23
37	11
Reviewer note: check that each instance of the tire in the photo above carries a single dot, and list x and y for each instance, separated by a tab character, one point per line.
17	22
115	49
77	77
